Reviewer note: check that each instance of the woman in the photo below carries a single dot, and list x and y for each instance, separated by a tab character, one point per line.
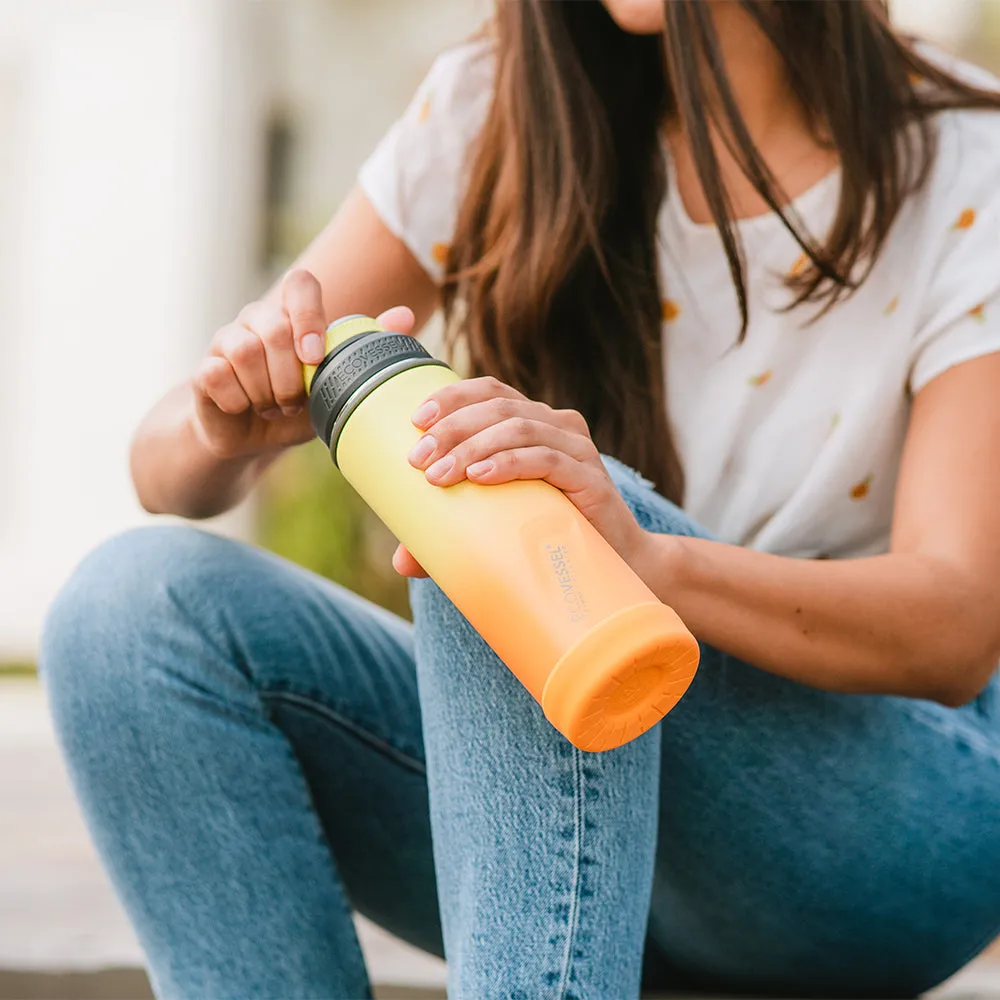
793	214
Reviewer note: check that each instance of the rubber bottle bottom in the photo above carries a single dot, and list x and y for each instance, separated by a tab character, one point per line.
621	678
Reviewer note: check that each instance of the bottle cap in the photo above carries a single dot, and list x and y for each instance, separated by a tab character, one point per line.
360	356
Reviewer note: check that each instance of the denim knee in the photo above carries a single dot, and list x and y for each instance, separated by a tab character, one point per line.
93	634
653	512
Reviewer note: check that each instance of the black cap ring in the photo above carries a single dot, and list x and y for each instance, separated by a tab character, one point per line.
351	371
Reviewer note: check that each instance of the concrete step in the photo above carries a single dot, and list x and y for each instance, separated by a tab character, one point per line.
131	984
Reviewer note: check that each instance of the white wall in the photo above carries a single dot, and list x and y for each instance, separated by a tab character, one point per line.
133	154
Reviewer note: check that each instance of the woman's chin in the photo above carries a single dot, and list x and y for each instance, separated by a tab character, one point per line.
638	17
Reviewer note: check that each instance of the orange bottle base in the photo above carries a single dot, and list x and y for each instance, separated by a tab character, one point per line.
599	698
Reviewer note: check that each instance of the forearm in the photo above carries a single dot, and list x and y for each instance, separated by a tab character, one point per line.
901	624
175	473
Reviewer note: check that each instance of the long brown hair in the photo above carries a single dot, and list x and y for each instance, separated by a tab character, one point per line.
552	279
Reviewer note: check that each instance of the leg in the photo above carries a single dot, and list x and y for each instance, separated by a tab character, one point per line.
543	853
245	741
813	844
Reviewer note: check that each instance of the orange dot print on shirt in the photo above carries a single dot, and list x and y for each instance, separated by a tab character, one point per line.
440	253
801	263
669	310
860	490
979	312
892	306
966	219
425	111
762	379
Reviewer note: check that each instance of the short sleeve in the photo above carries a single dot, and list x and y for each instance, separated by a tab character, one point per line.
415	177
960	318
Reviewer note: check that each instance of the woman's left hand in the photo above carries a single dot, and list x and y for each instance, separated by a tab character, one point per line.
483	430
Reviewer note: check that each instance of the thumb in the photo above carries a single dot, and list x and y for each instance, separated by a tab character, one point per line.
398	319
302	299
404	563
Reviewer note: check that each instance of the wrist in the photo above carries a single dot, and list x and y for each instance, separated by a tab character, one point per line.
213	452
658	561
218	480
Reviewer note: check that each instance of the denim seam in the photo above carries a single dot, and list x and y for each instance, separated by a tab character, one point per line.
349	725
574	911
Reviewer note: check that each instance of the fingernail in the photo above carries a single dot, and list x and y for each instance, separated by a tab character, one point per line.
271	414
425	413
312	348
422	451
291	411
480	468
441	467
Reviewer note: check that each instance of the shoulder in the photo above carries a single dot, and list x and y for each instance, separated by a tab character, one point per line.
952	242
467	68
964	70
967	160
955	215
968	154
416	176
458	88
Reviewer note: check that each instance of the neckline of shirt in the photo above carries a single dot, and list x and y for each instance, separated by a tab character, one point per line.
803	205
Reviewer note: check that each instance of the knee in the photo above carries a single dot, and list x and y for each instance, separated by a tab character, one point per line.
116	605
438	620
126	580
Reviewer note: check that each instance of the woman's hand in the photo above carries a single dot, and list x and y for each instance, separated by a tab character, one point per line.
482	430
249	394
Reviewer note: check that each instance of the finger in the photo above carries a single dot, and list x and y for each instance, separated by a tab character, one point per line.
274	328
216	380
398	319
302	300
537	462
453	397
510	435
243	349
450	431
571	420
405	565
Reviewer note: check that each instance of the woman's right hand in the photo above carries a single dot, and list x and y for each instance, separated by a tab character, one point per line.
249	394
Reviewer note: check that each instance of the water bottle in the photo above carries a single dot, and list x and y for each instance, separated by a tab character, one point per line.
590	641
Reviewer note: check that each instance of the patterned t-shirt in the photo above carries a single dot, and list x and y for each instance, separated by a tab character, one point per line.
791	440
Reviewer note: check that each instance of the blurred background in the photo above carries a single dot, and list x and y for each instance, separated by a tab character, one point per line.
161	162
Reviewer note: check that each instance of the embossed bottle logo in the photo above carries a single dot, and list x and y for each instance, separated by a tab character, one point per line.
562	566
358	360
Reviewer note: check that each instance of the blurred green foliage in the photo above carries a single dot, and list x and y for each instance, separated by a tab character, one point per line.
17	668
309	514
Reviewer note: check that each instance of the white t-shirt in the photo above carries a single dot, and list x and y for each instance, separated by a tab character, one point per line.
790	441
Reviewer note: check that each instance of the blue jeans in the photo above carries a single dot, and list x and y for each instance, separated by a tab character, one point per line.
259	752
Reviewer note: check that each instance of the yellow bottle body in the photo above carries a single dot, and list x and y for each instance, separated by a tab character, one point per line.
557	604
